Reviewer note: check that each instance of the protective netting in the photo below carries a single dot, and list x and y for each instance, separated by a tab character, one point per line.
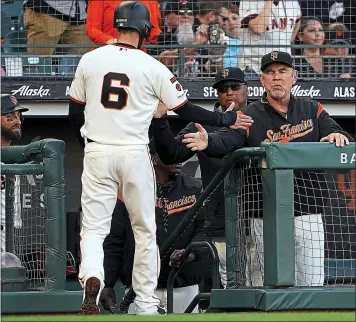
194	39
325	228
23	221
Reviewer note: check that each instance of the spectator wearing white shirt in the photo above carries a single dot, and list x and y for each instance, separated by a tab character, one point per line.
272	25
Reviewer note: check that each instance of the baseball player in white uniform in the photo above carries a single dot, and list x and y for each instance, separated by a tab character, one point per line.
113	97
271	23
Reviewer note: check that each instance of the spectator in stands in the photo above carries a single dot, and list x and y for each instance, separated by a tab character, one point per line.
100	21
312	63
231	24
53	22
330	11
311	33
180	29
176	194
269	24
337	34
210	32
179	24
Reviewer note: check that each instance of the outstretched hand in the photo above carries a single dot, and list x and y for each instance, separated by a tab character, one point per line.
196	141
242	121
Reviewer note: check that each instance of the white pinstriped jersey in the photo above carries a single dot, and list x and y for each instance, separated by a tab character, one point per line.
121	87
279	31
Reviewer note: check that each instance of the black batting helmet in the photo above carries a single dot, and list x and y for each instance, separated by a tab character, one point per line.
133	15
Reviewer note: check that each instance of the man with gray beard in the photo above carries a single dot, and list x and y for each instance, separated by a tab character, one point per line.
185	34
179	29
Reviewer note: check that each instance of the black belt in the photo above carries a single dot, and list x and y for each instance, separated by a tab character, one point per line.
90	141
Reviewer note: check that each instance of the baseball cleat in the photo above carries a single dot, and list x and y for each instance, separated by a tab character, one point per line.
91	291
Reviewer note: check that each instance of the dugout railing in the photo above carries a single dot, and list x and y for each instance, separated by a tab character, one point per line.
276	194
276	164
44	291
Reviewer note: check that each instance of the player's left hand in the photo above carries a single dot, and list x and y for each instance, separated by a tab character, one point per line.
161	111
339	139
176	257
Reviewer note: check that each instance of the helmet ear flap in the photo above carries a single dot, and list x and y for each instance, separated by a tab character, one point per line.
148	29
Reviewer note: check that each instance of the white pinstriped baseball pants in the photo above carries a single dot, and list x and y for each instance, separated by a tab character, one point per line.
110	169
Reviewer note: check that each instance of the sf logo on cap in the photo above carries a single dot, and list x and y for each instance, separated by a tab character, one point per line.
225	72
13	99
274	55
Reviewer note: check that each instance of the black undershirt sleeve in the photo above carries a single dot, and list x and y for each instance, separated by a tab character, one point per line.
76	118
195	113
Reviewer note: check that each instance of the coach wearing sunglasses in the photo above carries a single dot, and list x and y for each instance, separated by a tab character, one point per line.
231	86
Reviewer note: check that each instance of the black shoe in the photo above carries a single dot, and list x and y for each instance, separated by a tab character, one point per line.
91	291
108	299
161	310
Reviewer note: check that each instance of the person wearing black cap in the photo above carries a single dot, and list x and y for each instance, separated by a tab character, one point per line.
176	194
11	122
231	86
280	117
11	119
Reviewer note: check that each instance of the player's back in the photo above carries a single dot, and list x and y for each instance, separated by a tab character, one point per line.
119	94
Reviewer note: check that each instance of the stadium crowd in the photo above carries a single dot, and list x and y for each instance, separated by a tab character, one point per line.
193	38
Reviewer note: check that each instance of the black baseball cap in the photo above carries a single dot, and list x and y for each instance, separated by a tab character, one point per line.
229	74
276	57
181	5
10	104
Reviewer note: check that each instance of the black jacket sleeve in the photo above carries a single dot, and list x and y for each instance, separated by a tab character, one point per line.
327	125
195	113
224	142
170	149
76	118
114	245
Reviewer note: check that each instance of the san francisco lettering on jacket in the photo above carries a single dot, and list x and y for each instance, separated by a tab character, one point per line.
288	132
178	205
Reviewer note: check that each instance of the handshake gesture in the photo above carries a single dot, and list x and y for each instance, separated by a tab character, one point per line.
199	141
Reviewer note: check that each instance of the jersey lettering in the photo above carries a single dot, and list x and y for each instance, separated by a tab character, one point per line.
113	94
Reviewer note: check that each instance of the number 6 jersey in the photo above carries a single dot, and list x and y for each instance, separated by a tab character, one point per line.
121	87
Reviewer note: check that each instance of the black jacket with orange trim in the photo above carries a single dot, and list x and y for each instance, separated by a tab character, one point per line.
305	121
174	200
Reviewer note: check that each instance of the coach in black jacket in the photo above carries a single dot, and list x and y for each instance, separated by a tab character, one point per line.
231	86
280	117
176	194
